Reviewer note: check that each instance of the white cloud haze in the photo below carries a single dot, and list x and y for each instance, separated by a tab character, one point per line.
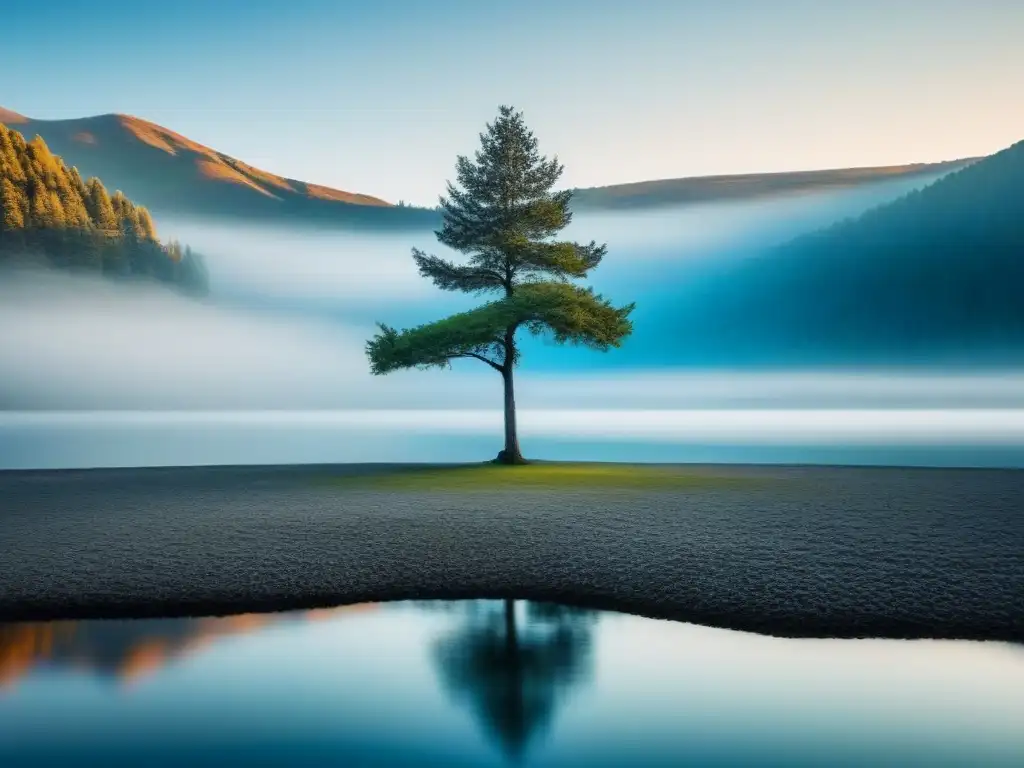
85	343
290	312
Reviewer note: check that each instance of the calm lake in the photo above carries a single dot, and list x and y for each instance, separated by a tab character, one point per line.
475	684
887	432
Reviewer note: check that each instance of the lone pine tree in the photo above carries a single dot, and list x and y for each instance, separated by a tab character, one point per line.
504	216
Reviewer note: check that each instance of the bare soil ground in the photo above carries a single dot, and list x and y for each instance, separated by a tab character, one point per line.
796	551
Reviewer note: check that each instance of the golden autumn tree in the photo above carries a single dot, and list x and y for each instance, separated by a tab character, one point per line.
48	211
12	207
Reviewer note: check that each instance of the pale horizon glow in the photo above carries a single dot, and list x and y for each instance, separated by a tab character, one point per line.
380	98
145	348
770	426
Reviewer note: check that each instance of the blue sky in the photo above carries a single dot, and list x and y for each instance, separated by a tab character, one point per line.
380	96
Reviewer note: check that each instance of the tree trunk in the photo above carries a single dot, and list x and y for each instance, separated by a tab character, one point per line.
511	635
510	454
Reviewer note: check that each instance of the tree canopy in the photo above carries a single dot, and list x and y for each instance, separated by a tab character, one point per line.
504	215
568	312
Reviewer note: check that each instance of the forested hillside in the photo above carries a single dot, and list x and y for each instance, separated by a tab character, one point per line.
936	275
50	216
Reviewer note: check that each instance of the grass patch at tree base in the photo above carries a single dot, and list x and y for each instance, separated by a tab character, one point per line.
547	476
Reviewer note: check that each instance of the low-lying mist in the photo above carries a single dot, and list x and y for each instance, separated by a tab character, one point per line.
358	273
290	310
657	257
75	343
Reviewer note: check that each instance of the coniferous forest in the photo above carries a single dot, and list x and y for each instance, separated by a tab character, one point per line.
50	216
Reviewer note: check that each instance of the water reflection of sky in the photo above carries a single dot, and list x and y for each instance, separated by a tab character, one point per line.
966	437
408	684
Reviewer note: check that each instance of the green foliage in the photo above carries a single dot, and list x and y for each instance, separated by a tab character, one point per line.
504	215
46	209
570	313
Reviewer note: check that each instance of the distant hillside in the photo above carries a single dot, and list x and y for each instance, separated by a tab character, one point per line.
937	275
702	189
49	214
172	174
11	118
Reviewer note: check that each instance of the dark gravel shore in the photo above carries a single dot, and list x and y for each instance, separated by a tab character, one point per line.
822	551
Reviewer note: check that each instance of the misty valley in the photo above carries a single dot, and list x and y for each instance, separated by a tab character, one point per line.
346	428
282	327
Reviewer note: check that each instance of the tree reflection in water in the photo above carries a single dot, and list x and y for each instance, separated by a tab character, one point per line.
513	668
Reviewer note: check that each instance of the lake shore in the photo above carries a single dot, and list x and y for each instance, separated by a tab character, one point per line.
788	551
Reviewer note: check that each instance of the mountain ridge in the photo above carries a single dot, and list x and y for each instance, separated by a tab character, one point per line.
932	276
51	216
9	117
93	130
656	192
172	174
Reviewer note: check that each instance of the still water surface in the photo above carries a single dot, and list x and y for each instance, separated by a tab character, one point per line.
473	684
